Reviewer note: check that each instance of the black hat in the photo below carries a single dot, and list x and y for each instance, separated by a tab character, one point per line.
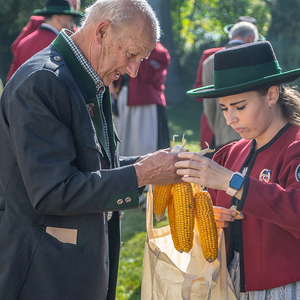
228	27
57	7
245	68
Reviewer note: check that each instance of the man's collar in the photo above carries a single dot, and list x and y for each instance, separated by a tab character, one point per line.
64	49
47	26
234	43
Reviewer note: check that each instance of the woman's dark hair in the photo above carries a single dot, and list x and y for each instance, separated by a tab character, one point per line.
289	101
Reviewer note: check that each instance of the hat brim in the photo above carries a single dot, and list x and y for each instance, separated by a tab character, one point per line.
229	26
42	12
211	92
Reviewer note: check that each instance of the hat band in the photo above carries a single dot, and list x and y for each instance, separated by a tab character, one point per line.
236	76
54	8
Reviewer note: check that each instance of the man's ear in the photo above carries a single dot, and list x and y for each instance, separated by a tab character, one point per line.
250	38
102	30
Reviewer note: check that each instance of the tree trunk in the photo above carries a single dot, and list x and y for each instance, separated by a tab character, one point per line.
284	33
174	89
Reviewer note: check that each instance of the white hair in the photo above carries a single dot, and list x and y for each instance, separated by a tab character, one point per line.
244	29
120	13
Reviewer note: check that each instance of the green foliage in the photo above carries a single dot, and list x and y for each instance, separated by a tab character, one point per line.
284	34
130	269
184	118
198	23
132	253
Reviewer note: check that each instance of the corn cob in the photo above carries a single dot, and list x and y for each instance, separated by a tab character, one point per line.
161	197
206	225
184	213
161	193
172	222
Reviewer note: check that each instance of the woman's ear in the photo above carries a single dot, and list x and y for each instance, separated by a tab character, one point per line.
273	95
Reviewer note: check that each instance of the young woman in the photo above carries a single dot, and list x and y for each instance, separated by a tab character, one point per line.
259	174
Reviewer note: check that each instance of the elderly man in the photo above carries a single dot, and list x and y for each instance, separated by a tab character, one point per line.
62	184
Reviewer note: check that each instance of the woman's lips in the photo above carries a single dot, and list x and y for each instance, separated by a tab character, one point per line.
239	129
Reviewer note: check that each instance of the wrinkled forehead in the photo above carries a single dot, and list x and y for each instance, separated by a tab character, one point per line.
139	35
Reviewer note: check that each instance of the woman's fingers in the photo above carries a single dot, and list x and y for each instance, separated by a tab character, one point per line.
202	170
223	216
222	224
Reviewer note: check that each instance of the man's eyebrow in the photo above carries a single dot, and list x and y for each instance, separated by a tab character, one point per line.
235	103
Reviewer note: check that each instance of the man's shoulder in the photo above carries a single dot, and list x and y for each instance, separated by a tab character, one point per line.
208	52
48	59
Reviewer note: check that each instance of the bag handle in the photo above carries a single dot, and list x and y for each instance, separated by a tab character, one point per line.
153	233
149	210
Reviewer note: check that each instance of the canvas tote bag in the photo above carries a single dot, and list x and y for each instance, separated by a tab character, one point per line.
170	275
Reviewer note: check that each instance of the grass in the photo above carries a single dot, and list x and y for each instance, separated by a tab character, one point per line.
184	118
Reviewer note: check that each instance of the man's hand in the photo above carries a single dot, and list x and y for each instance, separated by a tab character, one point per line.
157	168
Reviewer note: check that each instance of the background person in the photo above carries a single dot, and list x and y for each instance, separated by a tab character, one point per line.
241	33
260	174
57	14
35	22
60	174
142	122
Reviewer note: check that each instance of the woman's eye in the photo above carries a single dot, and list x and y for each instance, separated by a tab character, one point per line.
223	108
240	108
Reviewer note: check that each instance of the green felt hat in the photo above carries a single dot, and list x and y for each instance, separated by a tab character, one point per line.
57	7
228	27
244	68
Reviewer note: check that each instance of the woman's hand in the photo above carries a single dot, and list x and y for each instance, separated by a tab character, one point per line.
223	216
203	171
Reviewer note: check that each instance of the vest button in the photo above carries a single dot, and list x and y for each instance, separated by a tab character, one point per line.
120	201
128	200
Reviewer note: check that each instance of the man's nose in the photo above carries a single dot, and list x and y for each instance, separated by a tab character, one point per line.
133	68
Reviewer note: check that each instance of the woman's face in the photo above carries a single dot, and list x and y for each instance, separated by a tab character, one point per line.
250	114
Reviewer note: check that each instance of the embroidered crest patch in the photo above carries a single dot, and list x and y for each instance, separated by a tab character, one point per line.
297	173
265	175
154	63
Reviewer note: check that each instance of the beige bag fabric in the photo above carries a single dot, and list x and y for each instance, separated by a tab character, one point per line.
170	275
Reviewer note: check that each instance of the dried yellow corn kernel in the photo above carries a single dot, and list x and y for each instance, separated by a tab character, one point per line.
206	224
172	222
184	214
161	197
